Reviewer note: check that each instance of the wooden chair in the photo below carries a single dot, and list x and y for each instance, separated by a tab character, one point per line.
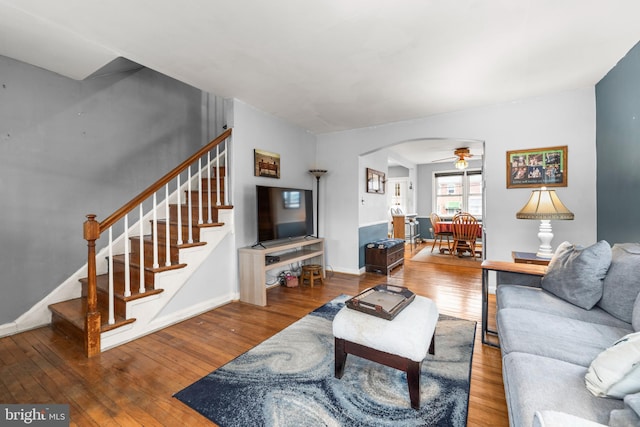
465	232
437	234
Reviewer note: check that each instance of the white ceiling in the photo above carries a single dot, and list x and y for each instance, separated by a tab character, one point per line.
432	150
330	65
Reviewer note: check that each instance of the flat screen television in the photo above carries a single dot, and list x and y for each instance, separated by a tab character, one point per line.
283	213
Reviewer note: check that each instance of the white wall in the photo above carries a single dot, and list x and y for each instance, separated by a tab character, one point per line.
255	129
566	118
373	207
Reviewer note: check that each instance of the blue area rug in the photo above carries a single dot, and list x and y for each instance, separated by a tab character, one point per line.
288	380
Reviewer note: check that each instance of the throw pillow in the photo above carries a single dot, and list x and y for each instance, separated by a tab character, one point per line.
622	282
616	371
575	274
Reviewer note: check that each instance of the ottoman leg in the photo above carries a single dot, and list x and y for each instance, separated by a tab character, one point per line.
413	379
432	347
340	357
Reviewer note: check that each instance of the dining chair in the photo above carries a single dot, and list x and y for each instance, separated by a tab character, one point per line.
465	230
438	233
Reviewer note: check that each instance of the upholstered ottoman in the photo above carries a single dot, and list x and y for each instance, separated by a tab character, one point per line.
401	343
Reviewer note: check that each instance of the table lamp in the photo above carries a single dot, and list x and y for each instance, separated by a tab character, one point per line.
544	205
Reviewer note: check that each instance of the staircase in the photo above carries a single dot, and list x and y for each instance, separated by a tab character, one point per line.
131	279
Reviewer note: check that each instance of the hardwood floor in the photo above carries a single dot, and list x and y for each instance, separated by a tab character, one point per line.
132	384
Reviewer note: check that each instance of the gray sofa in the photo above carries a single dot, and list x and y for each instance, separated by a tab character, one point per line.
559	330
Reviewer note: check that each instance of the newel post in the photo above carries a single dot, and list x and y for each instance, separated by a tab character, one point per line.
91	231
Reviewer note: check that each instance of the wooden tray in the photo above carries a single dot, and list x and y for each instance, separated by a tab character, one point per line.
384	301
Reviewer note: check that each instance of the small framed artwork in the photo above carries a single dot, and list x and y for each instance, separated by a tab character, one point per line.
537	167
375	181
266	164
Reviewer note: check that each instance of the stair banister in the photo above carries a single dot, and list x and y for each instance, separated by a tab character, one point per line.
119	214
92	230
91	233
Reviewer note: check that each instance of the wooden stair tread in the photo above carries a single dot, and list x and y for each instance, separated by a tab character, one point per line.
102	283
194	206
134	264
148	238
73	311
193	224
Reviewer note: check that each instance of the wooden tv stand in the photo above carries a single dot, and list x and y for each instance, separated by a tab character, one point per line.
254	267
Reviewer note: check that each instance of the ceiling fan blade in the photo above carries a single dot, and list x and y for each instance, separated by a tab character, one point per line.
445	159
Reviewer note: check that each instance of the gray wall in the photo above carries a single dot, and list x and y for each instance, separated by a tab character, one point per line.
618	150
69	148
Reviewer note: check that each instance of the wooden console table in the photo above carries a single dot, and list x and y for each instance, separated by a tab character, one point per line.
254	267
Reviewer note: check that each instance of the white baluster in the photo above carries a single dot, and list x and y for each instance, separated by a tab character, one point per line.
226	176
179	239
199	191
141	228
167	228
155	232
190	206
127	266
218	174
112	318
209	220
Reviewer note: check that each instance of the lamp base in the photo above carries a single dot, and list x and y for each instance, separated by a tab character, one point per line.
545	235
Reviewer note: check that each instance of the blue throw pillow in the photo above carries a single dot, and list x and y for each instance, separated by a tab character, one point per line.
576	274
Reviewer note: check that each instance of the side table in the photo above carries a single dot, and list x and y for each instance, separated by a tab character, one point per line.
529	258
506	267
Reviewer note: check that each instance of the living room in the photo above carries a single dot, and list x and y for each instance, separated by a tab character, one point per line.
561	117
597	122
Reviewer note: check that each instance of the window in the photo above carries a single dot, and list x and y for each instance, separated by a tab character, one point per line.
458	192
291	199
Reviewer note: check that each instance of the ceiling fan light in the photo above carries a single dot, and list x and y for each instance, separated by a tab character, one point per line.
461	164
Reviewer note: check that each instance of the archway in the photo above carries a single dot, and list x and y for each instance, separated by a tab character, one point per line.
410	167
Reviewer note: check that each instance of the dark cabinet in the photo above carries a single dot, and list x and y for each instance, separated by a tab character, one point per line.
384	255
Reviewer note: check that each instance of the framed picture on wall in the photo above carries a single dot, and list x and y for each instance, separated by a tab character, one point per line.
537	167
375	181
266	164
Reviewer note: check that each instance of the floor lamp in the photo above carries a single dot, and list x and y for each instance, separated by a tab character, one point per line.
317	173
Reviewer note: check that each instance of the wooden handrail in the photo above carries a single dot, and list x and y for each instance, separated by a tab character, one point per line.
92	231
120	213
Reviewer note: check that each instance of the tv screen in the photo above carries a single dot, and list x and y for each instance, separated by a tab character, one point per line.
284	213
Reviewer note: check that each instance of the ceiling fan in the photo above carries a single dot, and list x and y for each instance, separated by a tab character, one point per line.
460	157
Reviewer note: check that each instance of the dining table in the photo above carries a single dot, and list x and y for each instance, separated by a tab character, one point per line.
447	227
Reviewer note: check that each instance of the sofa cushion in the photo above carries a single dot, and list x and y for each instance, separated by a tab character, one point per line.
616	371
575	274
558	337
630	415
536	299
534	383
635	317
561	419
622	282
